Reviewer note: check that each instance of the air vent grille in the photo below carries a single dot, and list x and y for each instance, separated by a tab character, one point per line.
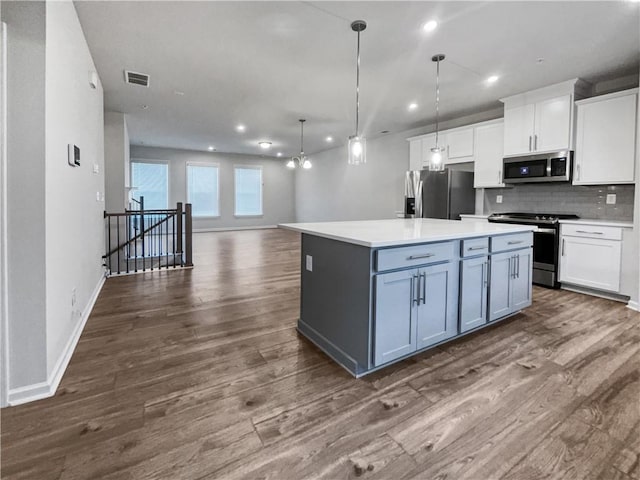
135	78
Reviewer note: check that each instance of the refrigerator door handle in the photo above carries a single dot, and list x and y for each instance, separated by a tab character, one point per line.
419	200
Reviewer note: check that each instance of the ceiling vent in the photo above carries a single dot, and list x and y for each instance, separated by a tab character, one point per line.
135	78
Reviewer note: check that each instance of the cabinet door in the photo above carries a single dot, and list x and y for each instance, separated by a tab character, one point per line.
428	143
438	311
500	273
553	124
460	145
395	315
606	141
489	145
474	277
591	262
415	154
518	129
521	288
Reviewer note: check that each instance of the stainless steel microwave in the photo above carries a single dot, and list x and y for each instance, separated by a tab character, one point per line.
547	167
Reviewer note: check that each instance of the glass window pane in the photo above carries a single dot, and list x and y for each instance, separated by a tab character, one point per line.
202	190
248	191
152	182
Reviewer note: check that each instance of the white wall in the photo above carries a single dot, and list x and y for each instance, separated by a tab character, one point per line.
26	192
334	190
278	185
55	225
116	161
74	222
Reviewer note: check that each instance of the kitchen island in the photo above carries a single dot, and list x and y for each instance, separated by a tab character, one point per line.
375	292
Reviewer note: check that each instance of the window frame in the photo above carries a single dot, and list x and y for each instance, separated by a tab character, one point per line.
235	196
186	187
149	160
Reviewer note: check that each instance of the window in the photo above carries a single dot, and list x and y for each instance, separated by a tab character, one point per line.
152	182
248	191
202	190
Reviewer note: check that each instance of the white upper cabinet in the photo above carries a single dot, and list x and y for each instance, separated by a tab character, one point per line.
460	145
519	123
488	155
415	154
541	120
553	122
606	139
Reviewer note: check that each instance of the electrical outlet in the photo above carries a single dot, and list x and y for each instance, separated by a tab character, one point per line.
96	168
309	263
73	296
498	198
97	196
611	198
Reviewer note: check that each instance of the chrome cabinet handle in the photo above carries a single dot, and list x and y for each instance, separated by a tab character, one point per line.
417	257
485	273
514	242
535	142
476	248
424	288
518	266
510	267
589	233
562	254
529	142
415	298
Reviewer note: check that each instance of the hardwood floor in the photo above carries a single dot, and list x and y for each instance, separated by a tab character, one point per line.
200	374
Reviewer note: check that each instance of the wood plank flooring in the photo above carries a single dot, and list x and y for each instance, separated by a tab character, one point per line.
200	374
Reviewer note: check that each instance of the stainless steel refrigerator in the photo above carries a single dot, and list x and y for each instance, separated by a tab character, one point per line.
444	194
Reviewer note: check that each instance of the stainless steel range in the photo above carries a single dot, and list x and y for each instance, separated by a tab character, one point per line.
546	242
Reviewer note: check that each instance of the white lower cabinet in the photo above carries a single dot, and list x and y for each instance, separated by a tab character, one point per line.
591	256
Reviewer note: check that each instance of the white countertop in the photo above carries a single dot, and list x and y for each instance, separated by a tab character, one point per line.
600	223
386	233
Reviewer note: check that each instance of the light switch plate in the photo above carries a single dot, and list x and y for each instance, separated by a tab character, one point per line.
97	196
611	198
309	263
96	168
498	198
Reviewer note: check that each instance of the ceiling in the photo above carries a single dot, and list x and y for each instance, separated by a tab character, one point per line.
266	64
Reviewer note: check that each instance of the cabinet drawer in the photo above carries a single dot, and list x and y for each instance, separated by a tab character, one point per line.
592	231
475	246
501	243
414	255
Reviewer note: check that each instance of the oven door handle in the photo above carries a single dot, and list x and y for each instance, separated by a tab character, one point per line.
546	230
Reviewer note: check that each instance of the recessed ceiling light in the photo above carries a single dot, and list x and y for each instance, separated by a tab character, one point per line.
329	139
279	154
264	145
412	106
144	107
492	79
241	128
210	148
430	26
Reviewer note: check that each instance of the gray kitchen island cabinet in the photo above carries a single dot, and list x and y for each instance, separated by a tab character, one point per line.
375	292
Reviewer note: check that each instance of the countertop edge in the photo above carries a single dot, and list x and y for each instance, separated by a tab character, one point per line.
601	223
406	242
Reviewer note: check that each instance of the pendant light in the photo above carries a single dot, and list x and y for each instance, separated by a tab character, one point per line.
436	163
301	161
357	144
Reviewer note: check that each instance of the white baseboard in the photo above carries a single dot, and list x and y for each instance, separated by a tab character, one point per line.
229	229
633	305
41	390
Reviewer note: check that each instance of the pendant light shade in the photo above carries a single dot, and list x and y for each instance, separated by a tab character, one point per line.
357	145
302	160
436	163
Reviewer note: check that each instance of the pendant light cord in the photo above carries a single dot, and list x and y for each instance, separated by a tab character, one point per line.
358	86
437	100
301	138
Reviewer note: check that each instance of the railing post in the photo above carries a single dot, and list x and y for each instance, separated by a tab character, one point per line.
178	232
142	232
188	234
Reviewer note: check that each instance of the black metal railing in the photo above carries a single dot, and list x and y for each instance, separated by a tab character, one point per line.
146	240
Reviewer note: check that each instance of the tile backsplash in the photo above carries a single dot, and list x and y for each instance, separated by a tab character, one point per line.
584	201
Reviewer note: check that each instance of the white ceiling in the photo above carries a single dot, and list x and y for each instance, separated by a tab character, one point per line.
267	64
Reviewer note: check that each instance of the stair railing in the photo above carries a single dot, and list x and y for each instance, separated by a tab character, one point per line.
139	240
